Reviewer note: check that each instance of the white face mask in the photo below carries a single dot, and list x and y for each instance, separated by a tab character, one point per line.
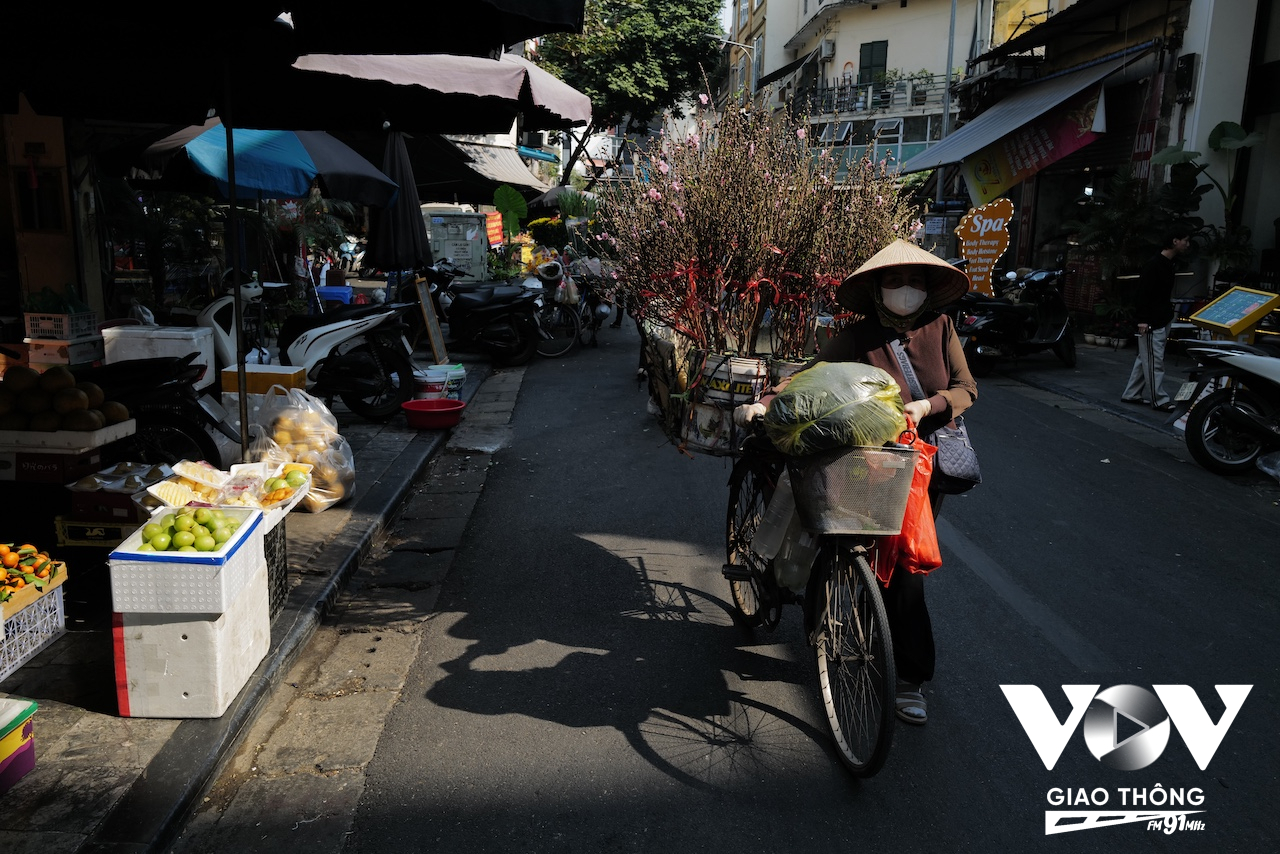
903	301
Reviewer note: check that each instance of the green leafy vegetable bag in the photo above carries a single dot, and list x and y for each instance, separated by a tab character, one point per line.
835	405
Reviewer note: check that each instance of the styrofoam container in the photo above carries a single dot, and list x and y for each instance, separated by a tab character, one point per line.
122	343
190	666
186	582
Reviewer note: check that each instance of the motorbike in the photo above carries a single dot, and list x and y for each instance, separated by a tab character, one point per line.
357	353
1028	316
487	317
175	421
1232	405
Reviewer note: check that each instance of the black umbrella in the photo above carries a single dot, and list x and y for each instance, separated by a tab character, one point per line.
397	233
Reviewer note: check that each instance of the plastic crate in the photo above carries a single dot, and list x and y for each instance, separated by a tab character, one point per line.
30	631
61	327
274	545
186	582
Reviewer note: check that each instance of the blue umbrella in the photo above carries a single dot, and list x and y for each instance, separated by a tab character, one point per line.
278	164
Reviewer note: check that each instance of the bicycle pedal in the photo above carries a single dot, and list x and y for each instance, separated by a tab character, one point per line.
735	573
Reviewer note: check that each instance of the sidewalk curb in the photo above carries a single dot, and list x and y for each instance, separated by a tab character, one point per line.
149	816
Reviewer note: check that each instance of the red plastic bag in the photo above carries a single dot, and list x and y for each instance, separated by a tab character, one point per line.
915	548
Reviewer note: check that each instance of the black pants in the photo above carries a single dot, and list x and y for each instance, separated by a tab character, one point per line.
909	624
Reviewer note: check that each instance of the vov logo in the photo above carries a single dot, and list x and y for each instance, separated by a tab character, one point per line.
1102	713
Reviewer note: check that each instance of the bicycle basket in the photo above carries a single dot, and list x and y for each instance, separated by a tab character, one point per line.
858	490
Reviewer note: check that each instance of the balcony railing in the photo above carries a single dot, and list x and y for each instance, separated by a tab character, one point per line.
838	95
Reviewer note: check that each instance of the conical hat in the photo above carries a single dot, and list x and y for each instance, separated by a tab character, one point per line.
946	282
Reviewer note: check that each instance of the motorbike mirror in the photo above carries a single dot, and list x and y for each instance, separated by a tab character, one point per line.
1011	275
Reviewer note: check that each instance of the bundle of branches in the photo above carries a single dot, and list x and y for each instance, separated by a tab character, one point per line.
740	214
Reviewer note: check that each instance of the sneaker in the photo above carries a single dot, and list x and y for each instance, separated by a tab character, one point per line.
909	703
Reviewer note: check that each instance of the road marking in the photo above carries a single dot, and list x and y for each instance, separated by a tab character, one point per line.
1073	645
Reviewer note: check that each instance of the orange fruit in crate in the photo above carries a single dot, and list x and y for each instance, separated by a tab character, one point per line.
10	560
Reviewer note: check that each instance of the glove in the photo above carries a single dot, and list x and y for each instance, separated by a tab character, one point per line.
748	412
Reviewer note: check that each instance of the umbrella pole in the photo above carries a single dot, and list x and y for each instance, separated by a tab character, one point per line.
233	229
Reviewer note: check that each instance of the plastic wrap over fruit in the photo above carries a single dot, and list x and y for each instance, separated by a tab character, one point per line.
835	405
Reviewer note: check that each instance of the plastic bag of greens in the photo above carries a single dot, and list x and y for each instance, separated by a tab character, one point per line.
835	405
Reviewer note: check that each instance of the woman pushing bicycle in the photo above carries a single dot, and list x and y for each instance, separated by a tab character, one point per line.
897	294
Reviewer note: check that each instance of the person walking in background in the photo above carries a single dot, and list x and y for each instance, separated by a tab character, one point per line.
1154	312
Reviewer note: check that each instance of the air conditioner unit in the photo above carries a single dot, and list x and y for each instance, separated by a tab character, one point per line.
828	50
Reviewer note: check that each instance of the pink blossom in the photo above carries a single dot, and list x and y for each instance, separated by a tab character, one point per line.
675	186
879	200
663	223
680	213
654	194
704	99
663	167
800	133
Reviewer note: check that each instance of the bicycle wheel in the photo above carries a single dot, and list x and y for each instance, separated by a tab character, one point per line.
751	584
855	657
558	327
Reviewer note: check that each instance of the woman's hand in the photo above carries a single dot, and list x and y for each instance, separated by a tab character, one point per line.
917	410
748	412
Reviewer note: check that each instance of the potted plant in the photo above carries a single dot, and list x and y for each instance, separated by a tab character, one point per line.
920	81
1228	246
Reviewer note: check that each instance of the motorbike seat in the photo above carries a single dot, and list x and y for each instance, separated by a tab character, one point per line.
487	295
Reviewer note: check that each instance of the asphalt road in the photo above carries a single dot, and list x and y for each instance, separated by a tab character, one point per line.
581	687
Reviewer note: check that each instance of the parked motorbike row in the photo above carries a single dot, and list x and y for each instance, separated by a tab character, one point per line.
1029	315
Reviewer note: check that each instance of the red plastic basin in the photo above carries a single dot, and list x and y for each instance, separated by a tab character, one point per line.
433	414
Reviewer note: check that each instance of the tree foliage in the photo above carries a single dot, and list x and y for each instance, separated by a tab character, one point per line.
636	59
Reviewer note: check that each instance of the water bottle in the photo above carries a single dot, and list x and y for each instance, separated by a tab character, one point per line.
778	517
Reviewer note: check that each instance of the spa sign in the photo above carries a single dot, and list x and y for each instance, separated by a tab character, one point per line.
984	236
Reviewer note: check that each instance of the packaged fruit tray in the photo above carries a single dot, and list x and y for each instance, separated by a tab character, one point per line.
261	485
148	576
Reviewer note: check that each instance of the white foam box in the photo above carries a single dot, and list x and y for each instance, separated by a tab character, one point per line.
187	582
190	665
122	343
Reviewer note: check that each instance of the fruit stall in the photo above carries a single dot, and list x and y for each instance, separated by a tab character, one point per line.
180	567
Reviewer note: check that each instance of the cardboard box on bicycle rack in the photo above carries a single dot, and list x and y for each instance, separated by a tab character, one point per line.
122	343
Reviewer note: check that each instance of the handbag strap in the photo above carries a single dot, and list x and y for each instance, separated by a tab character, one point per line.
913	384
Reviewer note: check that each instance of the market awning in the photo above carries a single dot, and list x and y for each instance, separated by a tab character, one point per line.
779	73
536	154
1013	112
500	163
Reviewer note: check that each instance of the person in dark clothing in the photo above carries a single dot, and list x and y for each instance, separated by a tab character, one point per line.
1153	313
897	293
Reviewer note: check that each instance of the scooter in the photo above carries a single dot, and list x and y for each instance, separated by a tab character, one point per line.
1232	405
357	353
486	317
1028	316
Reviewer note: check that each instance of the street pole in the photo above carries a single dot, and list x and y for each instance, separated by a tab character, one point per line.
946	94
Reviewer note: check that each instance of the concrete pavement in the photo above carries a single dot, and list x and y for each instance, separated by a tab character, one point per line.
339	651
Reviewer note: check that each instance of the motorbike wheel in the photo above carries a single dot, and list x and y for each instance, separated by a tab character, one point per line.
1065	348
979	366
396	386
169	439
523	350
1215	443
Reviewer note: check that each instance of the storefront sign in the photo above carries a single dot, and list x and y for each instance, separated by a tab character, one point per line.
1037	144
493	225
984	236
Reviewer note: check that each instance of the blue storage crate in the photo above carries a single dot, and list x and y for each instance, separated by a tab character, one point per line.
335	293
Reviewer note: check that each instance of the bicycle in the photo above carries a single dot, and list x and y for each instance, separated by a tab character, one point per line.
850	498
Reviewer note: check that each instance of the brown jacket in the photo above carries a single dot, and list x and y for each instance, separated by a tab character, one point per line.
936	355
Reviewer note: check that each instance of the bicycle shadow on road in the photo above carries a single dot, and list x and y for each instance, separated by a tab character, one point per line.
630	649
